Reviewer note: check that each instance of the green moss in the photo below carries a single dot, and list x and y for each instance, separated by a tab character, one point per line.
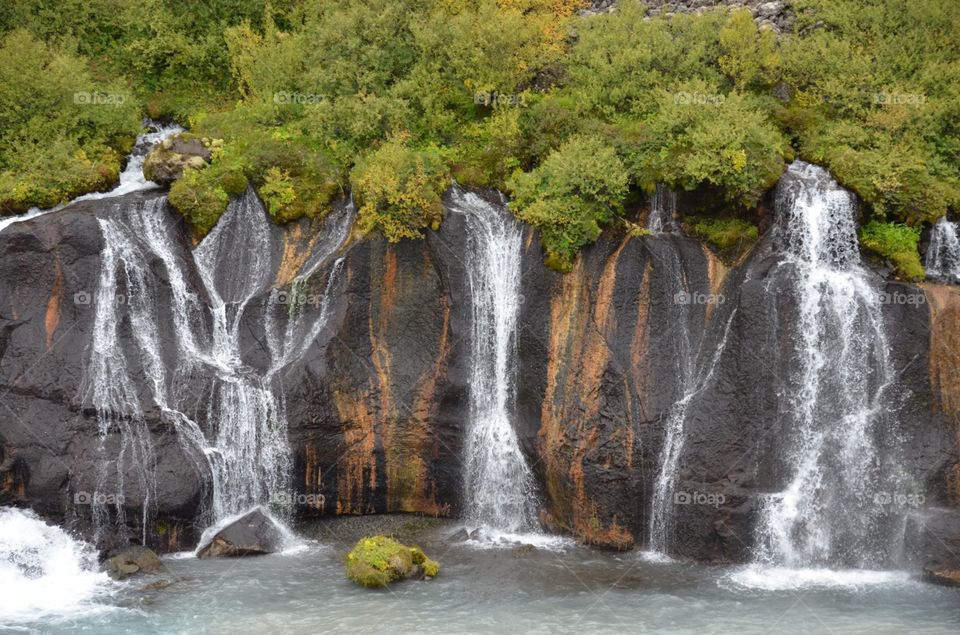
200	198
896	242
378	561
723	233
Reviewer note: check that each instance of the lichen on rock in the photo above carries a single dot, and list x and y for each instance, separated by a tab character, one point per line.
378	561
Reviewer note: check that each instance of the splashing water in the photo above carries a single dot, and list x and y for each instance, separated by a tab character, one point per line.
499	485
44	573
943	254
830	514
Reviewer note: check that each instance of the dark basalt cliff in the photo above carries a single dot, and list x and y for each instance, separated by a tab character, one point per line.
378	406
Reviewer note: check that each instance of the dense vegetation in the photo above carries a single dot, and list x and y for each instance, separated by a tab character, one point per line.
574	116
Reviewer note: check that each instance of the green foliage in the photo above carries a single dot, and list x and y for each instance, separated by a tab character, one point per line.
378	561
201	199
896	242
723	233
62	133
390	98
397	189
578	188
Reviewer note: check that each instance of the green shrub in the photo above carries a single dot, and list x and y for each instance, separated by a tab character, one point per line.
576	190
199	196
723	233
397	189
896	242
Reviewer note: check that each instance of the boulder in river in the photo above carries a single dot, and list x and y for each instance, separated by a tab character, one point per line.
377	561
253	534
132	560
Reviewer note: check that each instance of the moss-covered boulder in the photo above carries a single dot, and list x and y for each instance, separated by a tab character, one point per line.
378	560
166	162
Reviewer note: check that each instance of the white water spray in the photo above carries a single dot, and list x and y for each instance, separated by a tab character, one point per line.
943	253
831	512
45	573
499	485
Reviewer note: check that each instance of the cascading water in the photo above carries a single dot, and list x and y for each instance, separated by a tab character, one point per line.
831	512
663	210
943	253
44	572
693	380
499	485
237	437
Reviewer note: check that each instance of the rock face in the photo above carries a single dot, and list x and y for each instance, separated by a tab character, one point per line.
253	534
377	406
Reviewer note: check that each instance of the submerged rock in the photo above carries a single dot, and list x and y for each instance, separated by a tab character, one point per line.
524	550
132	560
379	560
254	534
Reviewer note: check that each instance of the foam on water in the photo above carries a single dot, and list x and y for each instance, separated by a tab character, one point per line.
788	579
45	573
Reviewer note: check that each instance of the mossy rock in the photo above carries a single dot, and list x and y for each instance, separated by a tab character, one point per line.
378	561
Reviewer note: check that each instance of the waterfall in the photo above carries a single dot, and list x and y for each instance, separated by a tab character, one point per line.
229	416
943	253
499	485
693	381
831	511
44	572
663	210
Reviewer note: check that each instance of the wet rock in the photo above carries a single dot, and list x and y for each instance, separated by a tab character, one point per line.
935	573
166	162
131	561
460	536
254	534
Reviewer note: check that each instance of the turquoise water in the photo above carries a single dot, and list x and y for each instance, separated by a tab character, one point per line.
561	589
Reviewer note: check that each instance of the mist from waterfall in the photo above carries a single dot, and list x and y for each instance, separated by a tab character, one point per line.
832	511
499	487
943	253
230	417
